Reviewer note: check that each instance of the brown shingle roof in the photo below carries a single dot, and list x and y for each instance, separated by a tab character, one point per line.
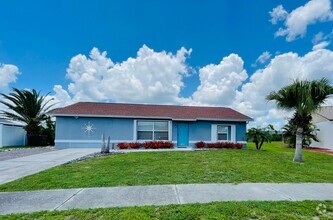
155	111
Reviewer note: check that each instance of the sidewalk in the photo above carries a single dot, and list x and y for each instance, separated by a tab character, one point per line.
83	198
23	166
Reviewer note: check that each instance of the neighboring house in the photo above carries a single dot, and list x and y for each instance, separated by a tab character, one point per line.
323	119
83	123
11	133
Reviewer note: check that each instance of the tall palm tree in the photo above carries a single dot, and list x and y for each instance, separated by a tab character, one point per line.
28	107
304	98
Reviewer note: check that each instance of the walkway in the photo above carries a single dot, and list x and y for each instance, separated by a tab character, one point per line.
62	199
23	166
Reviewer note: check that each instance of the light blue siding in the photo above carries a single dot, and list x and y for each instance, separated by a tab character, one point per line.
70	131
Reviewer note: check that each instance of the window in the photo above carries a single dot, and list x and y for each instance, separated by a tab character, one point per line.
223	133
153	130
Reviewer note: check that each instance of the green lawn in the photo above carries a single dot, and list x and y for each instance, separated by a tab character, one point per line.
272	164
216	210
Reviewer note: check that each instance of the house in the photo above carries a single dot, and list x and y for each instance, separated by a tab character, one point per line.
83	123
11	133
323	119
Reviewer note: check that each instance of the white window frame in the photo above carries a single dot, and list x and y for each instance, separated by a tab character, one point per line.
232	133
217	134
135	130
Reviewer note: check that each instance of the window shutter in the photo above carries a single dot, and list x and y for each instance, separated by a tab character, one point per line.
135	130
214	133
170	130
233	133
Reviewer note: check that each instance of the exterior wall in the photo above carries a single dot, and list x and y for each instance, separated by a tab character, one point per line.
70	132
325	135
202	131
12	135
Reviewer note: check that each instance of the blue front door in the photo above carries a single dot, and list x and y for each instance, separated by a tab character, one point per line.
182	134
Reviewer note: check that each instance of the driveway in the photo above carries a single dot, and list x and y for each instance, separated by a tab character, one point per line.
23	166
23	152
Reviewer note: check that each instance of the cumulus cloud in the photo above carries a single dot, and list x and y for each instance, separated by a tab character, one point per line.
158	77
280	72
219	83
8	74
150	77
263	58
278	14
297	21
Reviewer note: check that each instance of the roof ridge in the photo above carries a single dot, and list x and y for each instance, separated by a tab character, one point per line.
123	103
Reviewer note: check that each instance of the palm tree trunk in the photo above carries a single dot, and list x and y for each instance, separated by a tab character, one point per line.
299	140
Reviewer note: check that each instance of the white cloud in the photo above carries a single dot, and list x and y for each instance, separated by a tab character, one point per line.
219	83
321	41
318	38
297	21
278	14
281	71
8	74
321	45
150	77
158	77
263	58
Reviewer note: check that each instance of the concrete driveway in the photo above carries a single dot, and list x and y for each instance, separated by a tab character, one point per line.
19	167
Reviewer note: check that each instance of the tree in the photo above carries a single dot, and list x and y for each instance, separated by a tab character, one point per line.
48	131
309	132
258	136
304	98
28	107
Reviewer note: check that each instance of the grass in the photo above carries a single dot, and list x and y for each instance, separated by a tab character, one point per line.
215	210
273	164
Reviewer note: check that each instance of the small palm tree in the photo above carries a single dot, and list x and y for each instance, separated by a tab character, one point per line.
304	98
309	132
258	136
28	107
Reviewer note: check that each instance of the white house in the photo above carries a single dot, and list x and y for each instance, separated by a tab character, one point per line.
323	119
11	133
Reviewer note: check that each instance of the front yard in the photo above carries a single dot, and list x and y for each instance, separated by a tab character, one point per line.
272	164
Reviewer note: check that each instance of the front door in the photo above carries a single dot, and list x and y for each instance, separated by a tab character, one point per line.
182	134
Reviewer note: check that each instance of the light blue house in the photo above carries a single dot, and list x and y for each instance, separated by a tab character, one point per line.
83	123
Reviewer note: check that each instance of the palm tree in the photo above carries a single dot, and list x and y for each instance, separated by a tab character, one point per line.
309	132
28	107
304	98
258	136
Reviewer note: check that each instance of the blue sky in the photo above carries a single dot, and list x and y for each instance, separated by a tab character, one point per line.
41	37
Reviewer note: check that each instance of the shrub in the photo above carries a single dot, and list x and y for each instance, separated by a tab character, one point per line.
122	145
200	144
226	145
132	145
158	144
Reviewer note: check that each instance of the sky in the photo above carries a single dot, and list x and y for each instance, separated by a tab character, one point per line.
184	52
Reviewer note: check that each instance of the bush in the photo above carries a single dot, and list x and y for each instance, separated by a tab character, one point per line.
226	145
132	145
200	144
147	145
158	144
122	145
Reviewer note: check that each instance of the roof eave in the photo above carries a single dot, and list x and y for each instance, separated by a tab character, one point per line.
151	117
